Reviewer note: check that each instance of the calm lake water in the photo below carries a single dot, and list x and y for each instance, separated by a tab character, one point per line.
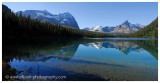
82	59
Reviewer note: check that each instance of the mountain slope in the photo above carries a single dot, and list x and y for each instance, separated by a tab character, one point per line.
124	28
150	31
5	8
63	19
18	26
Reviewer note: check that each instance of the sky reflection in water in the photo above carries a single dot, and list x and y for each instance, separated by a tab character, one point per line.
109	60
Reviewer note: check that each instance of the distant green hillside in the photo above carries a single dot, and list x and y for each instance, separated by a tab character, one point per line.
150	31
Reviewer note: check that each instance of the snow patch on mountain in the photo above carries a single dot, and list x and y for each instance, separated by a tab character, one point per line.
125	28
43	15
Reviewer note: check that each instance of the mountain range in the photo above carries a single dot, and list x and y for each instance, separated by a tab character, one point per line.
68	20
125	28
43	15
10	19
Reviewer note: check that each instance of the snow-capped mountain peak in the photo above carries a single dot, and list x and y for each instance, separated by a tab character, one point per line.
125	28
46	11
97	27
43	15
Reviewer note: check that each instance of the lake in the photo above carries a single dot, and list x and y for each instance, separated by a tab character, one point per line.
105	59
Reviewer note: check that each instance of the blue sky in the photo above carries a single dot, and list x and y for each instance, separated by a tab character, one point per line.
90	14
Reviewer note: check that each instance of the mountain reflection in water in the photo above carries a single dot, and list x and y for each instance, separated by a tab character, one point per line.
124	46
84	60
63	53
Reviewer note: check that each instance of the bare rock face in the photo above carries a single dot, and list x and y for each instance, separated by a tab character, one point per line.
124	28
63	18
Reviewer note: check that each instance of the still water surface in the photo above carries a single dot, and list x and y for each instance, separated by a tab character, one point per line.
110	59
